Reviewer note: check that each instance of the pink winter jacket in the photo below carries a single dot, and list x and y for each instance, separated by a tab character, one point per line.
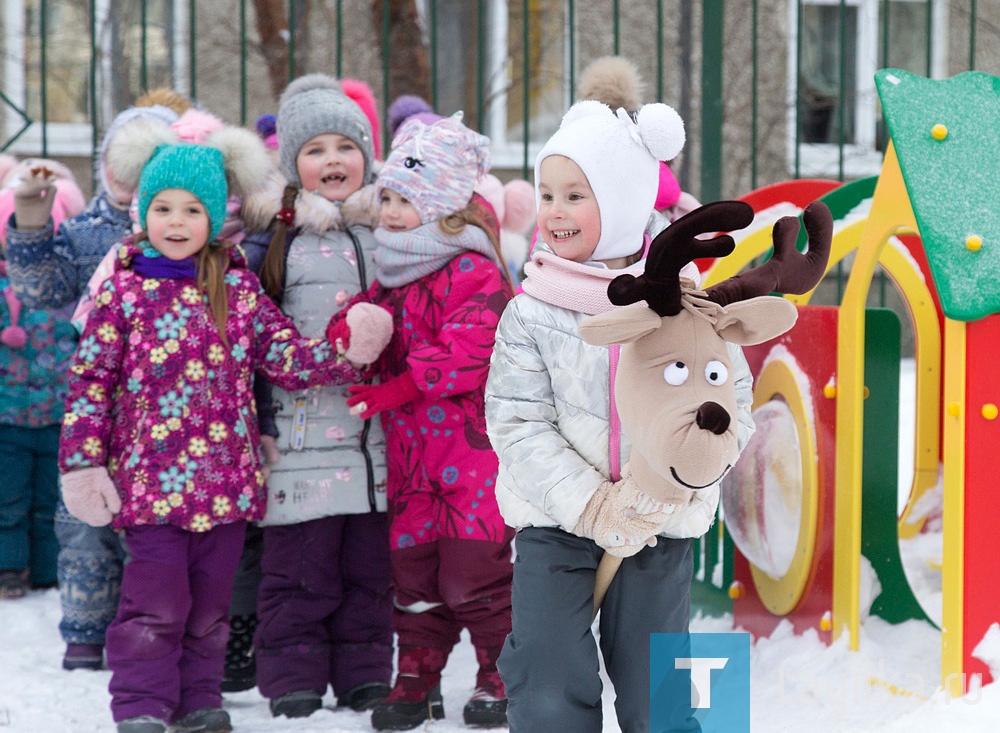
441	467
157	396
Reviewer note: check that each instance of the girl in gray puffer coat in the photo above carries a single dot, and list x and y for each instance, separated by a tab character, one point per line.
324	607
552	421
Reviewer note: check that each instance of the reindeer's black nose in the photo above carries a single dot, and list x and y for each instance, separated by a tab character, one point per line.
713	416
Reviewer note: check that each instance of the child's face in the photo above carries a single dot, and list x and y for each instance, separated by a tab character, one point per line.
331	165
569	219
177	223
398	214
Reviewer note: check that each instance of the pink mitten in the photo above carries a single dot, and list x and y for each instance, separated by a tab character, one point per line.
362	334
90	495
367	400
623	519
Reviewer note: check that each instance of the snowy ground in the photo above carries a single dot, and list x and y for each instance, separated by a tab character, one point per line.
797	683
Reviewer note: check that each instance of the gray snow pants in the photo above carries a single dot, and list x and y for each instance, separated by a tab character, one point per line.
549	662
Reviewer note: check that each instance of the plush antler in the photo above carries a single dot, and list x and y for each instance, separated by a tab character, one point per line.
673	248
787	271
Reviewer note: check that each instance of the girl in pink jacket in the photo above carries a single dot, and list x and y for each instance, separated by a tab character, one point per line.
439	270
160	432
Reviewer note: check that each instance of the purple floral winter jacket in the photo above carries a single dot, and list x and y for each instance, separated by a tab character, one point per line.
157	396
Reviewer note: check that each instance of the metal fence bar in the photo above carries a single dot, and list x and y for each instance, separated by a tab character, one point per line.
711	100
43	32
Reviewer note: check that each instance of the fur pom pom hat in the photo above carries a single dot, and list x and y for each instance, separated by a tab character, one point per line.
620	157
158	112
153	158
435	166
315	104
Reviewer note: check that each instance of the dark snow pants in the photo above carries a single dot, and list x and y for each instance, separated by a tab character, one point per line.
549	662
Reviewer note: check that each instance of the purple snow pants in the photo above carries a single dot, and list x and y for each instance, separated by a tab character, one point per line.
167	645
325	606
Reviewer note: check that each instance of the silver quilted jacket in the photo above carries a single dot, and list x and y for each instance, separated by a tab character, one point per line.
547	415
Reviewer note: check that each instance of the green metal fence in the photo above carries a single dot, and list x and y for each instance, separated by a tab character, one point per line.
769	89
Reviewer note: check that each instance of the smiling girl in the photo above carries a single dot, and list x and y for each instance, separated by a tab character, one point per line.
324	605
160	434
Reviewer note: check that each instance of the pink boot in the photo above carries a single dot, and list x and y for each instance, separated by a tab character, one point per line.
416	696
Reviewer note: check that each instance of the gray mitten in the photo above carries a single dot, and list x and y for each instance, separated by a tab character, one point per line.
33	199
622	518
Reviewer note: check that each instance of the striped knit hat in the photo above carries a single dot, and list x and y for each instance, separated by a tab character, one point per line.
435	166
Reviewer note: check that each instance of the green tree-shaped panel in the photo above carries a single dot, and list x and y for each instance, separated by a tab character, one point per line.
953	178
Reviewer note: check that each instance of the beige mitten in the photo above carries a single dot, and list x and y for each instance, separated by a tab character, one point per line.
623	519
33	199
362	333
91	496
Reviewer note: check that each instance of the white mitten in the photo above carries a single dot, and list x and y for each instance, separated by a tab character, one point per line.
622	518
90	495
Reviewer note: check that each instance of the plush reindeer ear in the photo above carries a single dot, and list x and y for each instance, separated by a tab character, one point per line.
619	326
754	321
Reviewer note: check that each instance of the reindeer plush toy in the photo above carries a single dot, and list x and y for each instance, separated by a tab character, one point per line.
674	396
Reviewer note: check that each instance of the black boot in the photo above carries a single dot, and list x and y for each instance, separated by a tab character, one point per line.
240	672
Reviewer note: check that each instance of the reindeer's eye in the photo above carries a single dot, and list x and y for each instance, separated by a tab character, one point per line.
675	373
716	373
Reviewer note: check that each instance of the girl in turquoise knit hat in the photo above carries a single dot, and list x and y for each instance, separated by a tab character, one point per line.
160	435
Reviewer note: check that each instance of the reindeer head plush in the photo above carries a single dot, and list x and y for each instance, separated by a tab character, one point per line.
674	387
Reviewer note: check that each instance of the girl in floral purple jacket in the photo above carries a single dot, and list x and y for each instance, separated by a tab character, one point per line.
160	433
437	270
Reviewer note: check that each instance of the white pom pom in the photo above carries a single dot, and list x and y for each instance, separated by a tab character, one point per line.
128	153
586	108
662	130
245	158
307	83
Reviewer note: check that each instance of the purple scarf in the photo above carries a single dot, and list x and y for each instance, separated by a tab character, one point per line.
163	267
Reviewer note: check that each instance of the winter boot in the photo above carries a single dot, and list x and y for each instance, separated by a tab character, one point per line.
299	704
13	584
83	656
141	724
205	720
364	697
416	696
240	672
487	708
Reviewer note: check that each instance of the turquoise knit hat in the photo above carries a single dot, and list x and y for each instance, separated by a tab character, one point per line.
195	168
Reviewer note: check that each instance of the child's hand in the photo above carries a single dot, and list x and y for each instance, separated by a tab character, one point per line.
362	334
90	495
33	199
269	447
367	400
623	519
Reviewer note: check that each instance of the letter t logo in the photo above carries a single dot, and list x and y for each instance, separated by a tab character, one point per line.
701	677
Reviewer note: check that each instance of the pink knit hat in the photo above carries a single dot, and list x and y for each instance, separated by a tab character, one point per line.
363	96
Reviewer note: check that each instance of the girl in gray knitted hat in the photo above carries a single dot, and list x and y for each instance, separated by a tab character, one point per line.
324	606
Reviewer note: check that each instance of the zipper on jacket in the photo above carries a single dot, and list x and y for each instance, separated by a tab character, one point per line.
138	438
246	432
614	422
363	440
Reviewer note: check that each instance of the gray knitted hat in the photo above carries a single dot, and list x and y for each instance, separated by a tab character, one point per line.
312	105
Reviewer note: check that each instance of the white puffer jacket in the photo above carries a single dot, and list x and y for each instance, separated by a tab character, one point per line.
547	415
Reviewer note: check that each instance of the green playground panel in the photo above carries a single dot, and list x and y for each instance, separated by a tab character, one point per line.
879	470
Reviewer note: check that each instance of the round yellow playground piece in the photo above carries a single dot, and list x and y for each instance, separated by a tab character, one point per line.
736	590
973	242
954	409
830	391
939	132
990	411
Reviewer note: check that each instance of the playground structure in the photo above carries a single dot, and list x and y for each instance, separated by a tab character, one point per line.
931	221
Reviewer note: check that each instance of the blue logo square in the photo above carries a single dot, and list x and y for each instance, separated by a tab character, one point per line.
699	682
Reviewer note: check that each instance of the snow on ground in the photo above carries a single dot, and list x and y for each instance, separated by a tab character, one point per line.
798	684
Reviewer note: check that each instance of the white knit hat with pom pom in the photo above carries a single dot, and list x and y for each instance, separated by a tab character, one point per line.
620	158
